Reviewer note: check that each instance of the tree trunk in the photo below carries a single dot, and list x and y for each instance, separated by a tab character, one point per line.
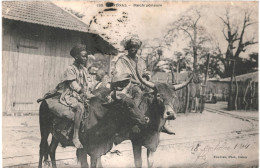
203	97
231	99
253	95
187	99
173	77
245	98
236	94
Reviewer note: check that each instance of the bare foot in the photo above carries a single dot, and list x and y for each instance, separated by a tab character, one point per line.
77	143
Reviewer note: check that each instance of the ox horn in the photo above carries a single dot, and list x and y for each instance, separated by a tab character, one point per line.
182	85
146	83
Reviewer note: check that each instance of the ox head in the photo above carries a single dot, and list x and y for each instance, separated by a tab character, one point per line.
125	105
165	95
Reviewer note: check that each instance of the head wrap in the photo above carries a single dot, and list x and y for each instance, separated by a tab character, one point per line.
77	49
130	41
101	72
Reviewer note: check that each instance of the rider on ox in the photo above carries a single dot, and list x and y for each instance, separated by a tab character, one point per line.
73	91
102	79
124	76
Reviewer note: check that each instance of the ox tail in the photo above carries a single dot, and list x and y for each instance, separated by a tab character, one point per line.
45	131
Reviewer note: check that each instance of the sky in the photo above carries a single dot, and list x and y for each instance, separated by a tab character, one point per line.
151	23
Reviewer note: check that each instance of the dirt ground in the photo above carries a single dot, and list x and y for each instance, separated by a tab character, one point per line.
201	140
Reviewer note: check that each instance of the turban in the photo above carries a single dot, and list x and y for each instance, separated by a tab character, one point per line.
131	41
77	49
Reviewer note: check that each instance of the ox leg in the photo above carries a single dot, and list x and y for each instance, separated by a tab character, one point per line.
52	151
82	157
45	131
150	155
99	163
137	149
43	148
93	161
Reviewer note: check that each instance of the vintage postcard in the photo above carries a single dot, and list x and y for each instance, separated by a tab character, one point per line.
130	84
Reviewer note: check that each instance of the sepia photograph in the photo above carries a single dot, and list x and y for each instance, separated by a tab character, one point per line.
121	84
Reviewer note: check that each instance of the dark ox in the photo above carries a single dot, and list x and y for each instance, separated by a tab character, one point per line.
158	106
98	130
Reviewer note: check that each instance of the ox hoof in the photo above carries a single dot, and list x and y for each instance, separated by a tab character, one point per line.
46	163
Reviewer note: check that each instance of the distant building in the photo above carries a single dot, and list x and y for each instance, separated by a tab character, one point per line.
220	87
253	76
37	38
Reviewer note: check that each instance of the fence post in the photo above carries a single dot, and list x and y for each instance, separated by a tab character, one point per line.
187	100
204	87
231	100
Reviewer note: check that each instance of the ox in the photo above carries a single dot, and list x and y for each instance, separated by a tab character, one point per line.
98	129
158	106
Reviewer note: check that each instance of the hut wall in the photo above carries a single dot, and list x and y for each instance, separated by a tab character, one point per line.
246	96
34	59
220	90
247	93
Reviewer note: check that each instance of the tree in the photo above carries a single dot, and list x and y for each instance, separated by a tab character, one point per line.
152	52
235	36
198	44
189	26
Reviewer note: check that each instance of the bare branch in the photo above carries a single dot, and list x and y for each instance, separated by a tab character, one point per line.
241	47
223	30
187	33
235	35
203	40
248	24
199	16
227	16
240	44
249	43
226	23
